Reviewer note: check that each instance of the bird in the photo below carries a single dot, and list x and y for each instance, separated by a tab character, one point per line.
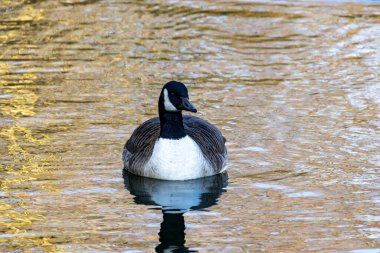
173	146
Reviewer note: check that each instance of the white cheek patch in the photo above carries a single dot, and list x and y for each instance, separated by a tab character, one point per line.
168	104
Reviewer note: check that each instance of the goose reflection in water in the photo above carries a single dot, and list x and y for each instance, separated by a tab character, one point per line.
175	198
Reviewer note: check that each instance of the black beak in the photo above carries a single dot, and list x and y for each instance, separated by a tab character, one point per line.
186	105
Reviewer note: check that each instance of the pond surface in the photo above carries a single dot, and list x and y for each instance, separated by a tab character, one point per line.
293	85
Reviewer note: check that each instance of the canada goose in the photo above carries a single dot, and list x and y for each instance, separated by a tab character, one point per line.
172	146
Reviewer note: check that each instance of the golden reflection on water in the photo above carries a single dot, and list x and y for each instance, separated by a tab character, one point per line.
16	217
293	86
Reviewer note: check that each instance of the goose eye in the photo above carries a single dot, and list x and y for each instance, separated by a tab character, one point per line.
172	94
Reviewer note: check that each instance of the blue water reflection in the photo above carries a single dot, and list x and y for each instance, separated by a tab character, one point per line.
175	198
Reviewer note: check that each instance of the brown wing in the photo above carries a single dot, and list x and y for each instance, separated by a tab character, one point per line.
209	139
139	147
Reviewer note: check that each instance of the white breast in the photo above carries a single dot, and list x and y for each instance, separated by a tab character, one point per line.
177	160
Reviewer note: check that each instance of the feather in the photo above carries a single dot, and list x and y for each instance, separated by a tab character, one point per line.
139	147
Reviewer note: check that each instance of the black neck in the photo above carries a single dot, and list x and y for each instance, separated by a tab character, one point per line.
171	123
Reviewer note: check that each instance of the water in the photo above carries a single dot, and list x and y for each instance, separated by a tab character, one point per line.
294	87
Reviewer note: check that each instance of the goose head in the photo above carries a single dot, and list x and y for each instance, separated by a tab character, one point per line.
174	97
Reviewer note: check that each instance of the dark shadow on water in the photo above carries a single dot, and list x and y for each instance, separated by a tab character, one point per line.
175	198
